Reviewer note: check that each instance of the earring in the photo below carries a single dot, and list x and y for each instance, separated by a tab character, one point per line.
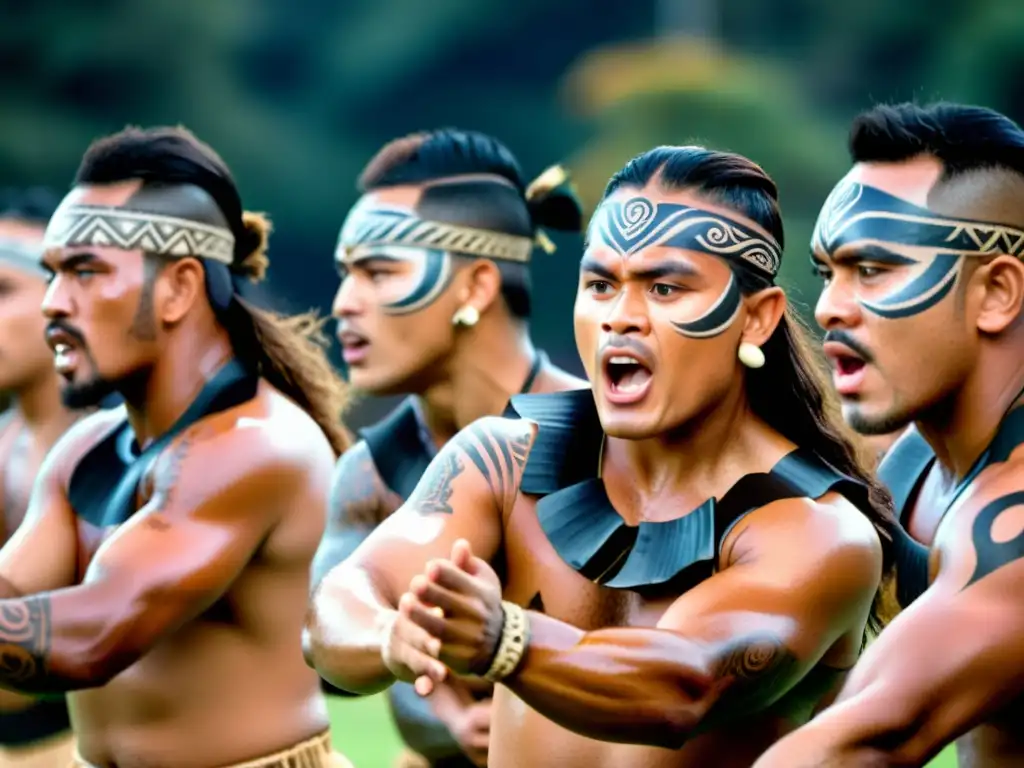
750	355
466	315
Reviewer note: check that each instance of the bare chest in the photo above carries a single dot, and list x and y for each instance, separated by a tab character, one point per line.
537	577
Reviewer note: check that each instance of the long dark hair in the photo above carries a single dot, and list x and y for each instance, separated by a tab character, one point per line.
791	392
288	351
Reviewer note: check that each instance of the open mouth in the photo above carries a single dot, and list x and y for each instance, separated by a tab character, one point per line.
65	351
627	378
848	365
354	346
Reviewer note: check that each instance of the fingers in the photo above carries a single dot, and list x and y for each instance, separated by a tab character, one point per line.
430	624
449	603
424	686
446	574
462	554
410	631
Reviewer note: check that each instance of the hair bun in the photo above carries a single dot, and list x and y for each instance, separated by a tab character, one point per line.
553	201
253	243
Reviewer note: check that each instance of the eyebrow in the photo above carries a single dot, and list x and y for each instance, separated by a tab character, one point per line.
665	269
73	261
366	258
868	252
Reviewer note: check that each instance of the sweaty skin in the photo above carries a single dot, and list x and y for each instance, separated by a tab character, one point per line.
900	707
693	672
183	617
950	666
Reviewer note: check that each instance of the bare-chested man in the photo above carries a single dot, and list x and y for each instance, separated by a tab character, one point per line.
161	571
692	540
34	733
448	324
921	247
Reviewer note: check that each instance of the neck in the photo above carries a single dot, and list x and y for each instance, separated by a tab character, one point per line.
960	428
40	407
490	364
698	460
186	364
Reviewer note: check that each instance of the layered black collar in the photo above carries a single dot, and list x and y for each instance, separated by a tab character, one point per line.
590	535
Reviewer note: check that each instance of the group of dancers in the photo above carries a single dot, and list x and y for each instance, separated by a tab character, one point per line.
688	559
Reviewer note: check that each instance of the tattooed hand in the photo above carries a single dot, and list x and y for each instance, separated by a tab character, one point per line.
467	628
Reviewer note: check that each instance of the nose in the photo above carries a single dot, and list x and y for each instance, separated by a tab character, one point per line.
837	306
346	301
627	313
56	301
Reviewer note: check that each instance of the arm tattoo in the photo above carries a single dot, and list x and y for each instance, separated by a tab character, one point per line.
753	668
438	485
497	456
165	475
993	555
354	509
24	641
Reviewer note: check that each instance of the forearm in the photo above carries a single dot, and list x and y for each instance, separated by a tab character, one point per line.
345	632
623	685
52	642
421	721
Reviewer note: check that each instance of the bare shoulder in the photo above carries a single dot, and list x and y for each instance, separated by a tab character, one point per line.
267	444
358	495
984	533
825	537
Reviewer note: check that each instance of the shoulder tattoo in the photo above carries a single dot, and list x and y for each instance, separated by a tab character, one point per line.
991	554
355	491
497	451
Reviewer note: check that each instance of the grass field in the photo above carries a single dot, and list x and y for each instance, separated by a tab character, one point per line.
363	731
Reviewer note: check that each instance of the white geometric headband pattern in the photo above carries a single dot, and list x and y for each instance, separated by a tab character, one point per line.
106	227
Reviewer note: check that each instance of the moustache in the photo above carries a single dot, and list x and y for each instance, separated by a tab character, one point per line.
618	341
843	337
57	325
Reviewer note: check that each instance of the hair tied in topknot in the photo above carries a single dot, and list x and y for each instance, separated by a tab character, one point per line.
254	242
553	204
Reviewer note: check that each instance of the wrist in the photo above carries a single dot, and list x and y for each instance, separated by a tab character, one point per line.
512	643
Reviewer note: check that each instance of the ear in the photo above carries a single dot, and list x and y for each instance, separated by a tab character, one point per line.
178	288
1001	284
479	285
764	311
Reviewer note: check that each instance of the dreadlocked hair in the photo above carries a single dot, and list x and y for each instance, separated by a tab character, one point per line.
288	351
791	392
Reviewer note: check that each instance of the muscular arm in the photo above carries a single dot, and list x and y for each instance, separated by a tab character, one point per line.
946	664
356	506
462	495
216	497
799	579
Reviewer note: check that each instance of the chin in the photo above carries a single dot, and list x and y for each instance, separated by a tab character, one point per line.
629	426
867	421
86	394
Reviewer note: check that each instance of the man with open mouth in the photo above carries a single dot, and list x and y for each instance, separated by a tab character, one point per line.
434	303
161	571
669	569
920	249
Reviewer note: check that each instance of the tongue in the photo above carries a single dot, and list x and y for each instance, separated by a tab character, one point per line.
634	379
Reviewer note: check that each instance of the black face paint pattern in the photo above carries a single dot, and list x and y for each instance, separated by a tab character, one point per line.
638	223
854	212
719	317
433	274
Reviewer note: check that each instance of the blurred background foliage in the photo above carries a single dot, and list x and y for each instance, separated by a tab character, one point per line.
297	95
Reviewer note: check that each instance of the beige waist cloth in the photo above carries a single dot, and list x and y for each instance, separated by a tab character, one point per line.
52	752
316	752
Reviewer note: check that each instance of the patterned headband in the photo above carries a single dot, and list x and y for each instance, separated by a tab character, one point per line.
106	227
396	226
639	223
18	254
